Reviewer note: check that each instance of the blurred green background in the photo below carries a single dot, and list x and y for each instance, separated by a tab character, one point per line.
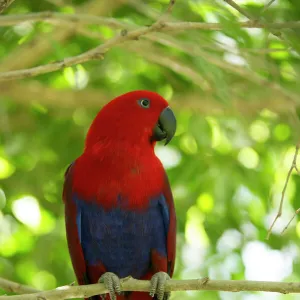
235	93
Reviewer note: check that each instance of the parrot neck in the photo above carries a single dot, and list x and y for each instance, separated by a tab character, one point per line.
121	151
110	170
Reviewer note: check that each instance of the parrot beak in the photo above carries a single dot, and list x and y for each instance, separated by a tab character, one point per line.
165	127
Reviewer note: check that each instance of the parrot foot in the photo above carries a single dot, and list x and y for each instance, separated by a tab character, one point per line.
158	281
112	283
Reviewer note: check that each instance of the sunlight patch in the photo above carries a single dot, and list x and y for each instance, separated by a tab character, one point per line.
27	211
6	168
169	156
248	158
259	131
263	263
44	280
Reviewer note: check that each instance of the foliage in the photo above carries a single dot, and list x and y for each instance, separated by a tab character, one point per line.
235	94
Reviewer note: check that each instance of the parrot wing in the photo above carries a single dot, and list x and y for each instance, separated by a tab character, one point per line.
73	229
166	262
171	232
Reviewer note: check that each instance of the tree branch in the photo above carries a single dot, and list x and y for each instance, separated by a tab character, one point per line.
130	284
238	8
43	44
9	20
98	52
4	4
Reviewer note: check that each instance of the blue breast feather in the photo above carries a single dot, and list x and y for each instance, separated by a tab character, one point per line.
122	239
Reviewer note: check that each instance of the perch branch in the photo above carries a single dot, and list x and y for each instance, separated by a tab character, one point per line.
130	284
14	287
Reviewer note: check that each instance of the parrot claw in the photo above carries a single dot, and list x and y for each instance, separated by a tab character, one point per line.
112	283
158	281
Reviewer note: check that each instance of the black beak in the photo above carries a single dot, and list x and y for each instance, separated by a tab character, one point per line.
165	127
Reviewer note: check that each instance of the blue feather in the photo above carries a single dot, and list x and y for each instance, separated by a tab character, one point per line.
78	222
120	239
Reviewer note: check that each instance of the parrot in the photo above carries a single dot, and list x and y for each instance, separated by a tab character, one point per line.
119	210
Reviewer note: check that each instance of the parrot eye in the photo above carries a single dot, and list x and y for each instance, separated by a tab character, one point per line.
144	103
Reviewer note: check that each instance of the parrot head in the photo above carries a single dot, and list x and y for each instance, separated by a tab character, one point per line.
136	117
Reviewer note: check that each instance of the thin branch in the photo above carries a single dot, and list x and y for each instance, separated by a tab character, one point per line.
279	213
130	284
9	20
256	20
70	61
176	26
5	4
14	287
290	221
160	22
238	8
168	12
267	6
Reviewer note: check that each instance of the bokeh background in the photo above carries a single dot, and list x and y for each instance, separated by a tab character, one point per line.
235	92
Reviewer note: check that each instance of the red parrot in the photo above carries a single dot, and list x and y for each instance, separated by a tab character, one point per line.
119	209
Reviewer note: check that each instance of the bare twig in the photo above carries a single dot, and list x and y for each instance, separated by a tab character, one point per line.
14	287
267	6
70	61
170	7
161	20
238	8
279	213
4	4
290	221
9	20
256	20
130	284
176	26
